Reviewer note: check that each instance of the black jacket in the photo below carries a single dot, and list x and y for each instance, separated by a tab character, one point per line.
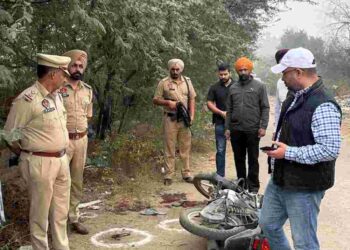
247	106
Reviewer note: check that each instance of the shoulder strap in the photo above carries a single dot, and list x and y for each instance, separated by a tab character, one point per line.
188	93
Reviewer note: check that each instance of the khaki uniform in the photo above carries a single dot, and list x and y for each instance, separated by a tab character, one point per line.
78	104
41	118
175	131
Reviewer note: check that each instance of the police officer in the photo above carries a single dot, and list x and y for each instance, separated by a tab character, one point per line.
77	97
172	89
38	113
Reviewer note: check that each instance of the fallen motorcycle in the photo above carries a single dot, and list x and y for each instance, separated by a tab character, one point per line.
231	217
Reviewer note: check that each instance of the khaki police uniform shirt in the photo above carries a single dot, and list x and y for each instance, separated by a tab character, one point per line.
78	104
170	89
40	118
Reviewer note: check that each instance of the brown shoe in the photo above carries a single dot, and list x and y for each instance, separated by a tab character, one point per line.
79	228
188	179
168	182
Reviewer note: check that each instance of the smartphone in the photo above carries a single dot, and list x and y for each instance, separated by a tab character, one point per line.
267	148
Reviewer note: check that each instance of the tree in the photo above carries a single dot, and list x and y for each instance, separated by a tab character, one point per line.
129	43
339	11
331	57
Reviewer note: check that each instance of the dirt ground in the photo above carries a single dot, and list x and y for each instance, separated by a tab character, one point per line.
164	231
333	230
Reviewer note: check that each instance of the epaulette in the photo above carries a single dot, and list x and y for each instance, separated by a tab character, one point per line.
187	78
87	85
29	95
164	79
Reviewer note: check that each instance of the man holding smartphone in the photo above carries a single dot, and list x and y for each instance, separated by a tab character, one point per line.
303	165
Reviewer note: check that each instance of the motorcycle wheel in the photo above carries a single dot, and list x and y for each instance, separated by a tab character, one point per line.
206	184
191	220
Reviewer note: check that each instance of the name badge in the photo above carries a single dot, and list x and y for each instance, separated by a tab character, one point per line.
171	86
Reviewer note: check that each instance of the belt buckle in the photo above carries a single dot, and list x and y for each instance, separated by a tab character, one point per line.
62	153
76	137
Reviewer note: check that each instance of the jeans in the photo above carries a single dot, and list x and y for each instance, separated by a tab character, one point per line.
243	143
300	207
220	149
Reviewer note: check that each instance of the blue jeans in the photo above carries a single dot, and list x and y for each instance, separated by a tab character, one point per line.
300	207
220	149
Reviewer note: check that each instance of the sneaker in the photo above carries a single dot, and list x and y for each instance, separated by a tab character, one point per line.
79	228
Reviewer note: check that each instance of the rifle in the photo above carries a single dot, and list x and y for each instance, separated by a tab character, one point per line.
182	114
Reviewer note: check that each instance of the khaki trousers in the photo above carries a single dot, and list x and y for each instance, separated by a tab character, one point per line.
176	132
48	184
76	157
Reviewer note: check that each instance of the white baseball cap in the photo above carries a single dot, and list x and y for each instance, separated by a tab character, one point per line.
295	58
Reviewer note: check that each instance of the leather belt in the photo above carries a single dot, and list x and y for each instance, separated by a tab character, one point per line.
47	154
77	136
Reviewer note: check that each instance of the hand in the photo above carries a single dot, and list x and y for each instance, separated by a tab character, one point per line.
223	114
261	132
172	105
278	153
228	134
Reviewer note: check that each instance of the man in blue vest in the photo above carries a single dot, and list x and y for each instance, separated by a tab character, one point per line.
307	142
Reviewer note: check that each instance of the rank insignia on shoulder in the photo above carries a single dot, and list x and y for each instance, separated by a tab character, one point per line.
46	105
29	95
87	85
63	92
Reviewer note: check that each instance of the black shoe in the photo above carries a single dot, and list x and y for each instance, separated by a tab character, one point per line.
79	228
188	179
168	182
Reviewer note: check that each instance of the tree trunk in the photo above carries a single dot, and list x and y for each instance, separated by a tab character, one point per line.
104	116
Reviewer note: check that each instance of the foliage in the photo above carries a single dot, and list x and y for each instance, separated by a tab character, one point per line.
331	58
129	43
339	11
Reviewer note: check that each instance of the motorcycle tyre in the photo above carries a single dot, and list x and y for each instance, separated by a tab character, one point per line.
211	178
203	231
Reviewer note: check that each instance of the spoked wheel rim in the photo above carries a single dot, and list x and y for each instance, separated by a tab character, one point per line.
205	187
191	220
195	218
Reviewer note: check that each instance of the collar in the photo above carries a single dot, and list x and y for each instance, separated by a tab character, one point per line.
307	89
80	85
43	91
228	85
301	92
177	81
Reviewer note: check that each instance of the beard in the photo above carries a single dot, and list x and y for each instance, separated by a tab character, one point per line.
77	76
174	76
224	80
243	77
